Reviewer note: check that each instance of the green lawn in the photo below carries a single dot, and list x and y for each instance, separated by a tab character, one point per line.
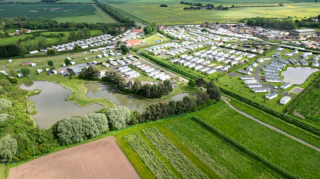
174	14
148	41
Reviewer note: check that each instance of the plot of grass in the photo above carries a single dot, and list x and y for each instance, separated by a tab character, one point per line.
151	40
176	158
174	13
276	122
227	161
2	171
148	156
285	153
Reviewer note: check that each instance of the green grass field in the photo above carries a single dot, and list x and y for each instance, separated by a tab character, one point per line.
2	171
174	13
282	151
50	40
59	12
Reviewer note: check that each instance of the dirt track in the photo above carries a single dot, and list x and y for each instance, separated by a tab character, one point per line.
99	159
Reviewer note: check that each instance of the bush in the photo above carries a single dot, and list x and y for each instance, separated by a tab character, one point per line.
4	103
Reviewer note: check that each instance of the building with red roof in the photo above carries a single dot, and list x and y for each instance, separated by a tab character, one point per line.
133	42
138	30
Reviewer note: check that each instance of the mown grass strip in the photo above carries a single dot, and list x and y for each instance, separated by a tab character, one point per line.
221	156
278	123
177	159
148	156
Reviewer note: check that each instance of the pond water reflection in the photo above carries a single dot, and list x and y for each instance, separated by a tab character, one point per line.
108	91
297	75
51	103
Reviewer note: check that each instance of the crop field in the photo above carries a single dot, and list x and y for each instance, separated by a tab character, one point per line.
176	158
50	40
148	156
60	12
283	152
308	106
174	13
227	161
105	161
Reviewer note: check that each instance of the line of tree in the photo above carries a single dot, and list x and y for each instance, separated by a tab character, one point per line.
51	1
136	87
191	8
79	34
163	5
115	14
191	3
284	24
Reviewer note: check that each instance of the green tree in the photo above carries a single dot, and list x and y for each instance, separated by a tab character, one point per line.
200	82
50	63
124	49
67	62
51	51
89	73
8	148
202	98
25	71
191	83
7	34
136	87
118	117
213	91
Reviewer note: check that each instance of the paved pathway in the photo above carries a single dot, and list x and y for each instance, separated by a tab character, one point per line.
257	77
271	127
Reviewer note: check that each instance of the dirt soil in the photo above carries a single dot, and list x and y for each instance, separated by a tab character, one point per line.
99	159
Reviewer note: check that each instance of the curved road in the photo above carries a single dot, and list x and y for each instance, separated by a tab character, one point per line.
257	77
271	127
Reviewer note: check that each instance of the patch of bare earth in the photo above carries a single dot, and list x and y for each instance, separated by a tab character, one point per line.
33	11
100	159
54	9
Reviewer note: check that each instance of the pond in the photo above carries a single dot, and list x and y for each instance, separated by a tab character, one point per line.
297	75
108	91
51	103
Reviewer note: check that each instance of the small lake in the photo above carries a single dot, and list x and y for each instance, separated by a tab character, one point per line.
297	75
51	103
108	91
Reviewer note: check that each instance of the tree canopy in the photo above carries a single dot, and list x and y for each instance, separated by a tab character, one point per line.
89	73
4	103
8	148
77	129
118	117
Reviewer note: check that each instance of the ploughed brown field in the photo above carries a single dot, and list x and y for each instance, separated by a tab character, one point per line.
99	159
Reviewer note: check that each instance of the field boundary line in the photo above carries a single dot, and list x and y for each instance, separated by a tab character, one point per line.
271	127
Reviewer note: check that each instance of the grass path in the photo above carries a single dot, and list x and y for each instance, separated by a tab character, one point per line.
271	127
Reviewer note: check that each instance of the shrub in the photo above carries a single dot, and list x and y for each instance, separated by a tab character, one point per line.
4	103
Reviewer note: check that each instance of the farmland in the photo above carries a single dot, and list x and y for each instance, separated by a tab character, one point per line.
62	13
307	105
174	13
270	145
49	40
80	161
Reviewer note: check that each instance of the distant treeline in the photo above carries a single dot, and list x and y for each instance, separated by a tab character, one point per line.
191	3
284	24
